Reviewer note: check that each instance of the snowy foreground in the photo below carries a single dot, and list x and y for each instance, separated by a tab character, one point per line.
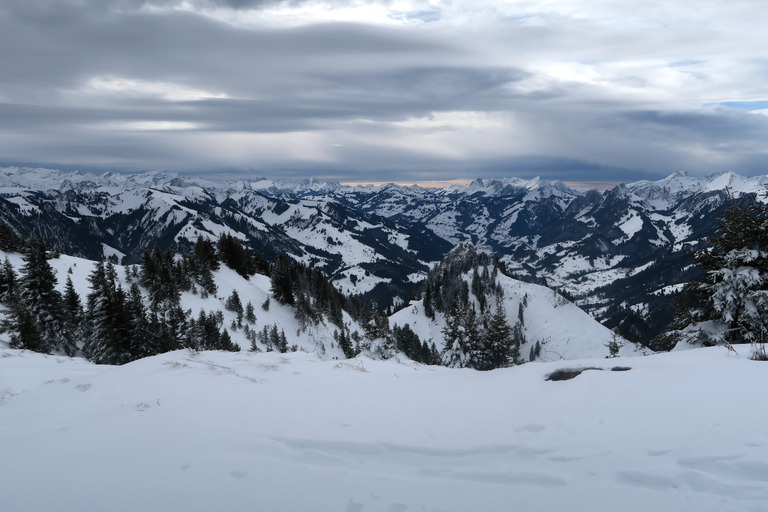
685	431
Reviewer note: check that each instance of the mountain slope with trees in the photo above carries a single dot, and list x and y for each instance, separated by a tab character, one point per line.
487	319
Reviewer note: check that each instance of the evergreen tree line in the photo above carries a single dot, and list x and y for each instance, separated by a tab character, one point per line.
273	339
113	323
311	294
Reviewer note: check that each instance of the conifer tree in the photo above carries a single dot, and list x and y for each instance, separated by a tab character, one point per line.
409	343
234	304
280	278
500	341
428	309
203	262
205	255
457	352
479	353
226	343
235	256
107	339
23	328
74	315
72	305
38	295
250	313
8	240
8	281
345	344
377	325
142	343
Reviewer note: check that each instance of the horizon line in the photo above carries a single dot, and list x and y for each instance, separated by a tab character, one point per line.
591	185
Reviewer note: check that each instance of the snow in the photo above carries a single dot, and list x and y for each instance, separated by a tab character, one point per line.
110	252
286	432
358	280
670	289
660	193
23	204
631	225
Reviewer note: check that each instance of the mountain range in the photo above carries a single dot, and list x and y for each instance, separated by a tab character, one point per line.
622	254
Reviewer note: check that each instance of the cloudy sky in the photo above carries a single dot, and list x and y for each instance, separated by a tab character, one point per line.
372	90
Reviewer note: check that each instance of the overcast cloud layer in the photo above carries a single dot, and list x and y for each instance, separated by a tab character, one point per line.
385	90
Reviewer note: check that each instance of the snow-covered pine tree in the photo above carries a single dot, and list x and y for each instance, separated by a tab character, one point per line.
457	352
22	327
73	310
250	313
8	280
475	340
38	295
501	347
107	339
226	343
142	343
71	303
203	261
346	344
234	304
730	299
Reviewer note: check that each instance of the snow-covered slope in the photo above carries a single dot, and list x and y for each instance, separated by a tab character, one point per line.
563	330
242	432
316	338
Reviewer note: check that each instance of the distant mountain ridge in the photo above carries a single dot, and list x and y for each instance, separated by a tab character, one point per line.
622	253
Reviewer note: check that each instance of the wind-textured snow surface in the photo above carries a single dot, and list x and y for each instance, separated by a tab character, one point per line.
209	431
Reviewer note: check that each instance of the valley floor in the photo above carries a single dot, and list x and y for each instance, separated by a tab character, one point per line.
209	431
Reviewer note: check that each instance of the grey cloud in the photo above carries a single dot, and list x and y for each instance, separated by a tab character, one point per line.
433	87
182	47
377	96
351	81
719	125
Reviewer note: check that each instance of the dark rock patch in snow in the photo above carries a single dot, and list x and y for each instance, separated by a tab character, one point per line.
568	373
